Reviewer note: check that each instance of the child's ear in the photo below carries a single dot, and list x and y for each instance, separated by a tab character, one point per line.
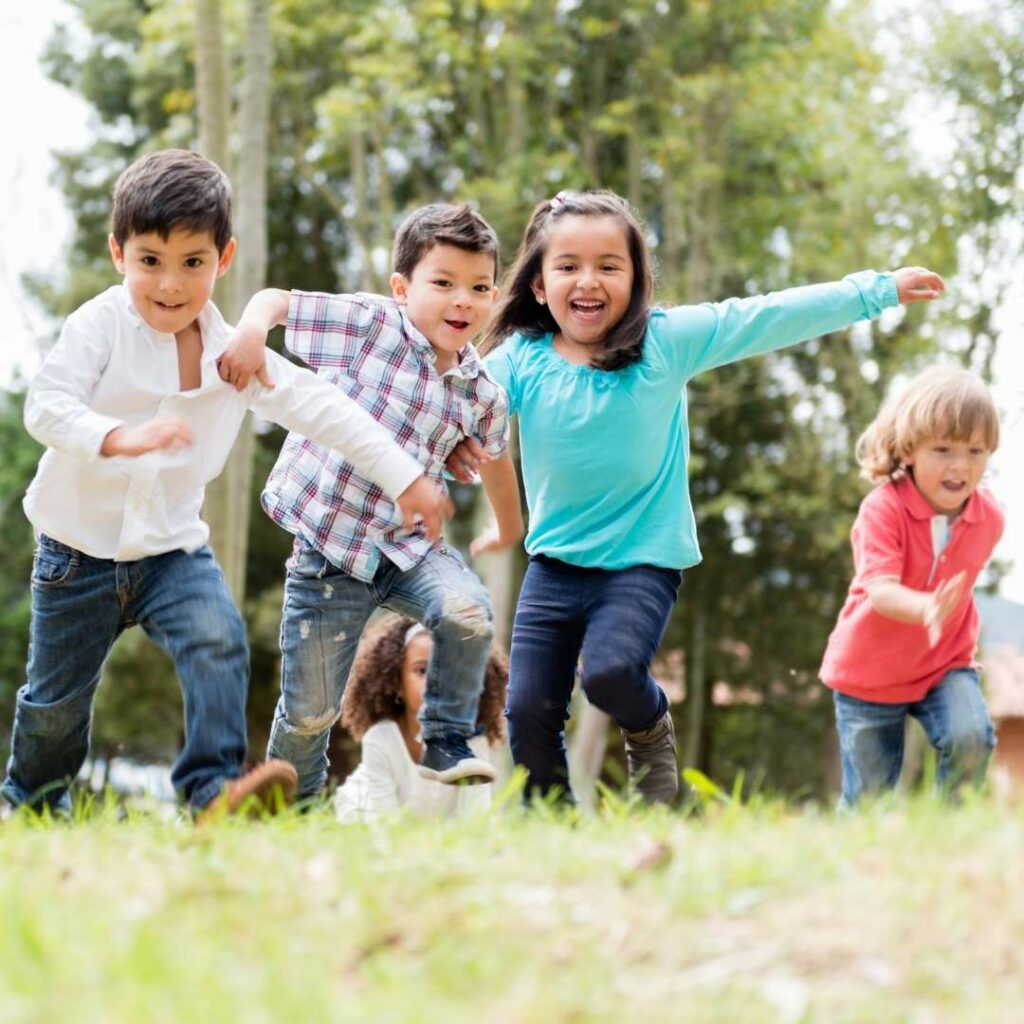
116	253
537	287
226	257
399	286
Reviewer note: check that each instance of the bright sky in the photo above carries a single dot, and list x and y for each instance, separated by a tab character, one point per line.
39	116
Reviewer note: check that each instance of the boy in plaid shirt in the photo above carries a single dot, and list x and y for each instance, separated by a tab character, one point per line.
409	362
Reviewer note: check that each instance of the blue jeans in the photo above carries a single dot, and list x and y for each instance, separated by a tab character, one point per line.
80	605
325	611
955	720
611	622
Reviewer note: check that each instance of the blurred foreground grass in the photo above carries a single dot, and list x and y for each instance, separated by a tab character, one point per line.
913	912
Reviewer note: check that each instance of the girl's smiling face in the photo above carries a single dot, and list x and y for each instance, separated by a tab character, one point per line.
414	671
946	472
586	280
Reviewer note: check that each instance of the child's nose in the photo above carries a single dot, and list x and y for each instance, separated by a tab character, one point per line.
170	282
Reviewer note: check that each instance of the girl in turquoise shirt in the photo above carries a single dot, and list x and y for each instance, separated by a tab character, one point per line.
598	379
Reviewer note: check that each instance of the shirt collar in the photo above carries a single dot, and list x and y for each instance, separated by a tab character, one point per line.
914	502
468	364
212	325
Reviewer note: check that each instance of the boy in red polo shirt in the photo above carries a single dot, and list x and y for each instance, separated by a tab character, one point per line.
906	637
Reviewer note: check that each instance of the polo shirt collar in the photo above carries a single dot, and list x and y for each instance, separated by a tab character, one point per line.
914	502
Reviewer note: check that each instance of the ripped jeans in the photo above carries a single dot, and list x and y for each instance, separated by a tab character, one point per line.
325	611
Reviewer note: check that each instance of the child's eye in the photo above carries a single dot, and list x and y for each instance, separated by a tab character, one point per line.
566	267
149	261
610	268
483	289
194	261
442	283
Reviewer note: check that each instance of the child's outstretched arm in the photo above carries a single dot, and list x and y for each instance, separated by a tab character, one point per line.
246	353
501	486
704	337
930	609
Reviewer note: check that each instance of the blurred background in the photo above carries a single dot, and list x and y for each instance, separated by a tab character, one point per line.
766	143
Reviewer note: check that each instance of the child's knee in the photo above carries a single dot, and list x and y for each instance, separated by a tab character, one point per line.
468	617
971	741
605	682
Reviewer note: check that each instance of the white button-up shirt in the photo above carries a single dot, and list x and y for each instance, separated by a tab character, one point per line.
110	369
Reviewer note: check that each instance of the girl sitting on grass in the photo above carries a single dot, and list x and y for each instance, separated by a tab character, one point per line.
906	637
382	701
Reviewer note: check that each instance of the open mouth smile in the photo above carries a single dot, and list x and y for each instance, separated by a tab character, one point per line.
586	307
457	325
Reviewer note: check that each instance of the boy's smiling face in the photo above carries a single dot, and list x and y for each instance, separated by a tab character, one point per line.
448	296
946	472
170	280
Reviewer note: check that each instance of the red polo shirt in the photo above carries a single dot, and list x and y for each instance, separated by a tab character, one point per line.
877	658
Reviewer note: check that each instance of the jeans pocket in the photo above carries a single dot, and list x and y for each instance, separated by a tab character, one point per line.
308	564
54	565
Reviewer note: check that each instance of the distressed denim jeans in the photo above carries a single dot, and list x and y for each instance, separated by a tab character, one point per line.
610	623
955	720
325	611
80	605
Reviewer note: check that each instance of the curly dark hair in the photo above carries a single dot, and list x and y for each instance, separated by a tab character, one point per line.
374	691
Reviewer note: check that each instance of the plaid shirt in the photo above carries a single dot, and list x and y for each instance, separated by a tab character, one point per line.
366	346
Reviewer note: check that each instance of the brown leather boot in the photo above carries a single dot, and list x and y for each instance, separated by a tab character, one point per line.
263	790
651	758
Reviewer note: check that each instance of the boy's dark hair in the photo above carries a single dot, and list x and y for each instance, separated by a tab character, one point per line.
518	308
374	690
442	224
168	189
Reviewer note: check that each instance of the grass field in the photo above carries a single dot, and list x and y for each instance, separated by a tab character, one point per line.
912	912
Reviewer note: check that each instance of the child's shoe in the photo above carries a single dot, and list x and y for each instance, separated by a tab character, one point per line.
264	790
448	758
651	758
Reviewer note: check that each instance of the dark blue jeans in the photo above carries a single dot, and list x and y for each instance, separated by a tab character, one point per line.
611	623
955	720
80	605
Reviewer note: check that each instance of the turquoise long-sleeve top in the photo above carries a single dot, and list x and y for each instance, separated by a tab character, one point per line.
605	453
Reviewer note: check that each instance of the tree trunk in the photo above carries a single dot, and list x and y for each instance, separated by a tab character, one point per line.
213	102
228	497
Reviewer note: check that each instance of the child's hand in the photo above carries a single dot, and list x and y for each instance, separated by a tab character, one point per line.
916	284
424	501
464	461
491	540
245	356
940	605
165	434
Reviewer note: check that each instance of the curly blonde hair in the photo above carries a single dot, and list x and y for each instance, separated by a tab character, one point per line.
946	402
374	691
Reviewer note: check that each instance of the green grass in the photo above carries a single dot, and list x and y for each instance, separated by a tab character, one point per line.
912	912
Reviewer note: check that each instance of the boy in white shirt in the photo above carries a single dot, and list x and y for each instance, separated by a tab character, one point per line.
137	421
